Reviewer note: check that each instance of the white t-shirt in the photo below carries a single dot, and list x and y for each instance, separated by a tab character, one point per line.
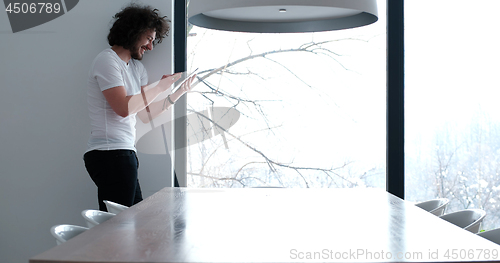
109	131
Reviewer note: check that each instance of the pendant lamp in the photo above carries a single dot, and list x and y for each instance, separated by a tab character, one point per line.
281	16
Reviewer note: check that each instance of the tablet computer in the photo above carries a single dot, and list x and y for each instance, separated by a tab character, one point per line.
184	80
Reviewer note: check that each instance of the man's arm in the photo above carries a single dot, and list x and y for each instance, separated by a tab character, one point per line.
158	107
125	105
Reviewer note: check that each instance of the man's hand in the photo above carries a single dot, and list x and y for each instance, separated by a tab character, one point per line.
158	107
185	87
167	81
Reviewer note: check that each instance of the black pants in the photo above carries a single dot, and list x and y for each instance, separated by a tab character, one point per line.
114	173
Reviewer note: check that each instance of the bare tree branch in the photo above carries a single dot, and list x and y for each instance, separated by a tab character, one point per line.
310	48
271	163
229	178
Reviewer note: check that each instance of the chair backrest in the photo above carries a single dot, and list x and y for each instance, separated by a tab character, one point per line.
468	219
434	206
491	235
113	207
95	217
63	233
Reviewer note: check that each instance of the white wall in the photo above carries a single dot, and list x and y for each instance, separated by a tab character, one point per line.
44	124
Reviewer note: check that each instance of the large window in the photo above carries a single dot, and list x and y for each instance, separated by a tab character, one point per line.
452	113
290	110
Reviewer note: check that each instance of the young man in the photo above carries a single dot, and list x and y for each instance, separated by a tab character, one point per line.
117	92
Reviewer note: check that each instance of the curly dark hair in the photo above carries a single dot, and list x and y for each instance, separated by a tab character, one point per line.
133	21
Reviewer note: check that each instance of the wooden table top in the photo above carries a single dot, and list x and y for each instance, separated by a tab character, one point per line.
273	225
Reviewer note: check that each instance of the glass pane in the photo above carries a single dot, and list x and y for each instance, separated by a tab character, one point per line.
452	114
296	110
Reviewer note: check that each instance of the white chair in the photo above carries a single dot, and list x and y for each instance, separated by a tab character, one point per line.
491	235
63	233
95	217
113	207
468	219
434	206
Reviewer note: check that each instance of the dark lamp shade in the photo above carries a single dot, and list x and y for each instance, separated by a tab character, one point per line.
281	16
